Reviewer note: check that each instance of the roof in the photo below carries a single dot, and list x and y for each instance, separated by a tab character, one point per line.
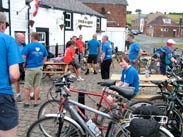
121	2
159	21
69	5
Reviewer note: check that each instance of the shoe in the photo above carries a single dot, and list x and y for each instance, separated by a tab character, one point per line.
35	105
87	72
18	98
80	79
94	72
26	105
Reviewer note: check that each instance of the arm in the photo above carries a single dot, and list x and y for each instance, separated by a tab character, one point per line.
44	60
14	73
139	55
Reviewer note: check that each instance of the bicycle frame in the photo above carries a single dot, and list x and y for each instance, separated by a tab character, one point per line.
70	106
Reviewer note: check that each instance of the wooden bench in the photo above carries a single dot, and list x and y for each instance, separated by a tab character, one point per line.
142	78
57	68
144	96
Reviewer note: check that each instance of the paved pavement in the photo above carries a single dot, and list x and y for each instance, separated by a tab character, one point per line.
29	115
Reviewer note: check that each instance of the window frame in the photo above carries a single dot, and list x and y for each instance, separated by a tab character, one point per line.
70	20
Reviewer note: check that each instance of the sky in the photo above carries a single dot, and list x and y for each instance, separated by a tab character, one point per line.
148	6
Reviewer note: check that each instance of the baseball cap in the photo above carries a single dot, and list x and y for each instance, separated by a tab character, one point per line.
171	41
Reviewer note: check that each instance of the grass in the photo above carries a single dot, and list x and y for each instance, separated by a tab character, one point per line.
175	18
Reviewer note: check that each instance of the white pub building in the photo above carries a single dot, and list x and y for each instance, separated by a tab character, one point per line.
55	20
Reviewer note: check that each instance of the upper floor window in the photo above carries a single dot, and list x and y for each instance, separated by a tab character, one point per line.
68	21
98	24
167	21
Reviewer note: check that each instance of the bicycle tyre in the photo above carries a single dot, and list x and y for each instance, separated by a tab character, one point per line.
157	99
48	107
139	103
48	126
174	119
162	131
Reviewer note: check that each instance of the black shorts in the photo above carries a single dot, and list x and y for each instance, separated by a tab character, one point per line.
22	72
75	64
92	58
8	112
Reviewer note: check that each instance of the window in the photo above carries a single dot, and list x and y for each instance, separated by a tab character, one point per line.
68	21
42	38
98	24
167	21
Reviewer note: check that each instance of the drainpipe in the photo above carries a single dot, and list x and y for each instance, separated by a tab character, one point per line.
64	30
28	29
9	17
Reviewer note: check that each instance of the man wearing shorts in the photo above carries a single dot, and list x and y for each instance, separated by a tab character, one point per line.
9	60
94	49
20	38
35	55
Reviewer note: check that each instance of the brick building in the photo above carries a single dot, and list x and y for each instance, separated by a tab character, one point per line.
163	26
113	10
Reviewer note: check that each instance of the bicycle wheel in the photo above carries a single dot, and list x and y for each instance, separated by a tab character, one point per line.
158	99
163	132
48	127
175	121
49	107
137	104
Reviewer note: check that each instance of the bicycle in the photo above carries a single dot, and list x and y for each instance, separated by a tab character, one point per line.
59	125
51	106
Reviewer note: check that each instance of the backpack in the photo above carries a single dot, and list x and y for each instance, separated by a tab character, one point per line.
145	127
163	55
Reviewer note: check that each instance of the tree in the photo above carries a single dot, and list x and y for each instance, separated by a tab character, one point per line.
129	12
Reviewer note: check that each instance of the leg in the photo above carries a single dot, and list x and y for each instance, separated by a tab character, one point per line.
36	94
27	95
9	133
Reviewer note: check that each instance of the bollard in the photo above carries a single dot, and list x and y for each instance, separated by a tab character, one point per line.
81	99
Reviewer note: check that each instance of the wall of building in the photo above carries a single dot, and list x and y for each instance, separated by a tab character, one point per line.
115	14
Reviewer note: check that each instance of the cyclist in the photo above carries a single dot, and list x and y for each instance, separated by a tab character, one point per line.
129	76
166	58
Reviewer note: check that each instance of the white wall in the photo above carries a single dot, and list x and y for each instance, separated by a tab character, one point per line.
118	36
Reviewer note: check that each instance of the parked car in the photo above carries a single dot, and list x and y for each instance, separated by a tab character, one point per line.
134	32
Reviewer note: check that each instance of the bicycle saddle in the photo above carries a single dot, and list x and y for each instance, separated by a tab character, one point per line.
107	83
126	92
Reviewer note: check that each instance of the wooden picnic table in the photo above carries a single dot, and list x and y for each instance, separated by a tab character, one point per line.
142	78
55	68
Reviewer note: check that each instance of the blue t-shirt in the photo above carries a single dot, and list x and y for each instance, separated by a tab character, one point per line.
131	77
9	55
93	46
133	51
34	52
107	49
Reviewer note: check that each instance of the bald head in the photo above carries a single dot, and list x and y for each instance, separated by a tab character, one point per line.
94	36
20	38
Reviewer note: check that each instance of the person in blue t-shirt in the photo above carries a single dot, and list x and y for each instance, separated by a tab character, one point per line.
10	57
129	77
134	52
106	57
93	49
35	55
20	38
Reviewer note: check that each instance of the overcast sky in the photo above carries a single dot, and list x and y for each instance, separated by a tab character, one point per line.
148	6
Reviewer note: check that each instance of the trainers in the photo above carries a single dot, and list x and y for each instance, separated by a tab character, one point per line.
80	79
87	72
26	105
18	98
94	72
